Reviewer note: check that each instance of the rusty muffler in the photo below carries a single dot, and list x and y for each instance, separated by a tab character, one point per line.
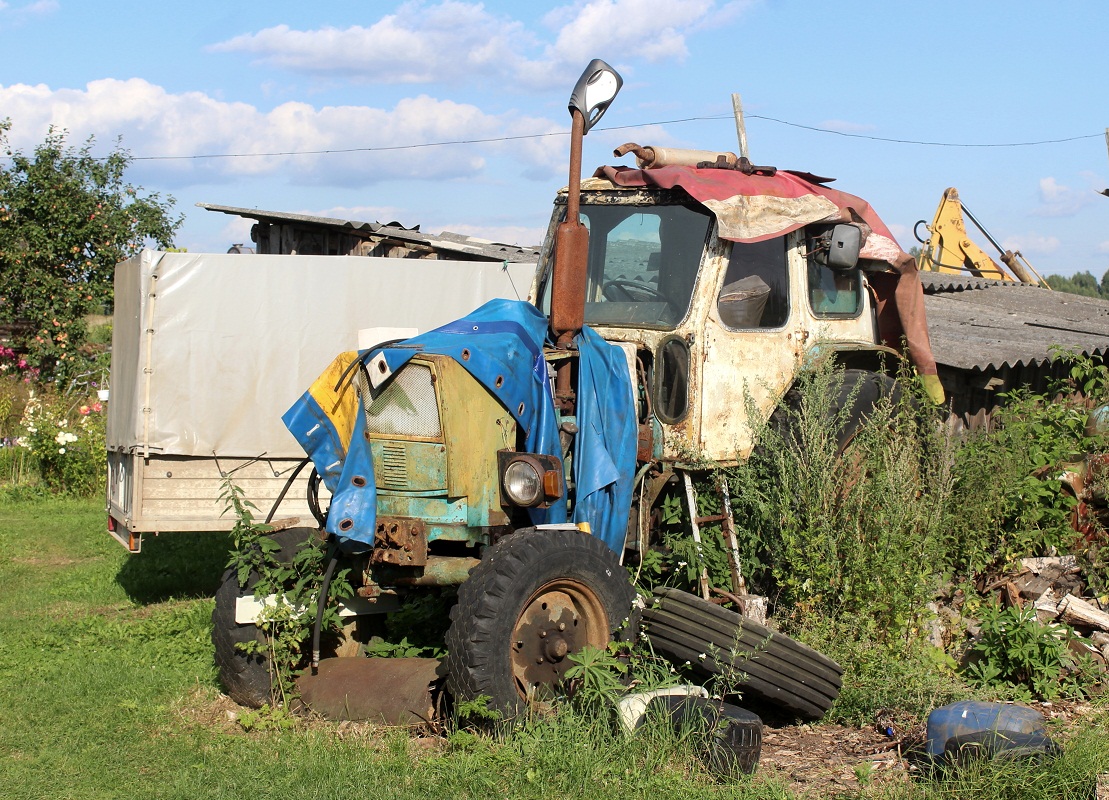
392	691
647	157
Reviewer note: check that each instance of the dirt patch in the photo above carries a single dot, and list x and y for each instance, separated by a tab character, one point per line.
826	760
829	760
211	710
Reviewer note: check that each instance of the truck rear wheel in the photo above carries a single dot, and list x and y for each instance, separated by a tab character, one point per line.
858	394
854	401
246	676
535	598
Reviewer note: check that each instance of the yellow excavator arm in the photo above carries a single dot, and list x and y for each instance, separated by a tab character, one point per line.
949	249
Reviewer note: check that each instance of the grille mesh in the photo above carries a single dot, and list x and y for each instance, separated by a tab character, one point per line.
407	406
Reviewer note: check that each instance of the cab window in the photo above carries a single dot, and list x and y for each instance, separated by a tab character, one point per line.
643	263
756	286
833	293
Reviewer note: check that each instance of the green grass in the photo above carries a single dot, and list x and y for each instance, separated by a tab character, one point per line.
108	690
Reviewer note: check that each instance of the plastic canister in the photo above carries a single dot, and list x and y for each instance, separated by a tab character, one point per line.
969	717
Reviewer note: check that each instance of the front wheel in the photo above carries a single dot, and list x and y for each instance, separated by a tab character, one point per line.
246	677
536	597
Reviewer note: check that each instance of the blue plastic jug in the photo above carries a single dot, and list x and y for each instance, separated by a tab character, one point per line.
968	717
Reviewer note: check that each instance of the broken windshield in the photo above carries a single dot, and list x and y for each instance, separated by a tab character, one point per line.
643	262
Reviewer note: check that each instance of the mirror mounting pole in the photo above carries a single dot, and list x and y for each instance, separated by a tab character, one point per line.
571	251
591	97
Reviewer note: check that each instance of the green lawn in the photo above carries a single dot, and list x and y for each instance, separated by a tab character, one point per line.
108	690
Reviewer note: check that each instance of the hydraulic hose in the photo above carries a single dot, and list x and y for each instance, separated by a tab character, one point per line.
314	481
285	489
321	603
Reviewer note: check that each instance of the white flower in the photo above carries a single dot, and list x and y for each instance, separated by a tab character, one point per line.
65	437
61	449
702	656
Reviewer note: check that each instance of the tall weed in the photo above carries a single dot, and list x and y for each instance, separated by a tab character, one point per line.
1007	478
862	531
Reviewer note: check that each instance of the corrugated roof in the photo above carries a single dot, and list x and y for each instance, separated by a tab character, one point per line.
979	324
946	282
446	241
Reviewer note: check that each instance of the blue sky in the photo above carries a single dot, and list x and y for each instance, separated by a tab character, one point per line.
200	78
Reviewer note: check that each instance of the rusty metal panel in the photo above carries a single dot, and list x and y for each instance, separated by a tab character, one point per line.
400	541
393	691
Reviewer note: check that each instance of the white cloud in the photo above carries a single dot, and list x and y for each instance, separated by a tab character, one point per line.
37	8
235	231
155	122
1103	247
17	15
456	42
1057	200
418	43
901	232
1032	244
651	29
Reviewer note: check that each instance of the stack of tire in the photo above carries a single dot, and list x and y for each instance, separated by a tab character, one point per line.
772	667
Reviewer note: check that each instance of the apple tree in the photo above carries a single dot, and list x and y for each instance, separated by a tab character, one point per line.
66	218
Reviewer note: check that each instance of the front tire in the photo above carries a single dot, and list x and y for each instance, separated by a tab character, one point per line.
536	597
246	677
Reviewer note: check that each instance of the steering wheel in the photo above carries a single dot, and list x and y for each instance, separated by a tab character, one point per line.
627	287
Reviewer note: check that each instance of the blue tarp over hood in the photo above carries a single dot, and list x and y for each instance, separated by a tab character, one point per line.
499	343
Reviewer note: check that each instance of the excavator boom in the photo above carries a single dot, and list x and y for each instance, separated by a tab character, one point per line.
949	249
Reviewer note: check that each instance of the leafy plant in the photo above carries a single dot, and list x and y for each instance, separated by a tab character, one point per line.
1007	478
1017	651
66	440
294	585
597	677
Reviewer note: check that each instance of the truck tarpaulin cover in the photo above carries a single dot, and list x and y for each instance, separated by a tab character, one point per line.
752	208
503	339
208	350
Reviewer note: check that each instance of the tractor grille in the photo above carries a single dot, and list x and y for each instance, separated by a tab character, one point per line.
393	472
406	408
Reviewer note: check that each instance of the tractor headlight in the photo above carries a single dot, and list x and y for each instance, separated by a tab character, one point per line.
530	479
523	484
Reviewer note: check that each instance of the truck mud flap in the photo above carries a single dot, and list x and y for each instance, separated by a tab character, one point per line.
770	666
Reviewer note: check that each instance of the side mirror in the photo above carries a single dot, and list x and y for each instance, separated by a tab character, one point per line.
594	92
844	244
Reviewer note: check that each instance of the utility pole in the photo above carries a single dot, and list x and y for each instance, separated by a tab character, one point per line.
741	128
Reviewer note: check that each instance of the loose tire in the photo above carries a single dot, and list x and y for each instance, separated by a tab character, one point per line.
245	676
536	597
779	670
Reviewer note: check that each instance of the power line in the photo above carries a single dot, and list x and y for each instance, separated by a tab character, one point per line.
496	139
924	143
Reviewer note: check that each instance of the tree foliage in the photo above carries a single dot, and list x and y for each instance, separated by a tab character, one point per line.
1083	283
66	218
